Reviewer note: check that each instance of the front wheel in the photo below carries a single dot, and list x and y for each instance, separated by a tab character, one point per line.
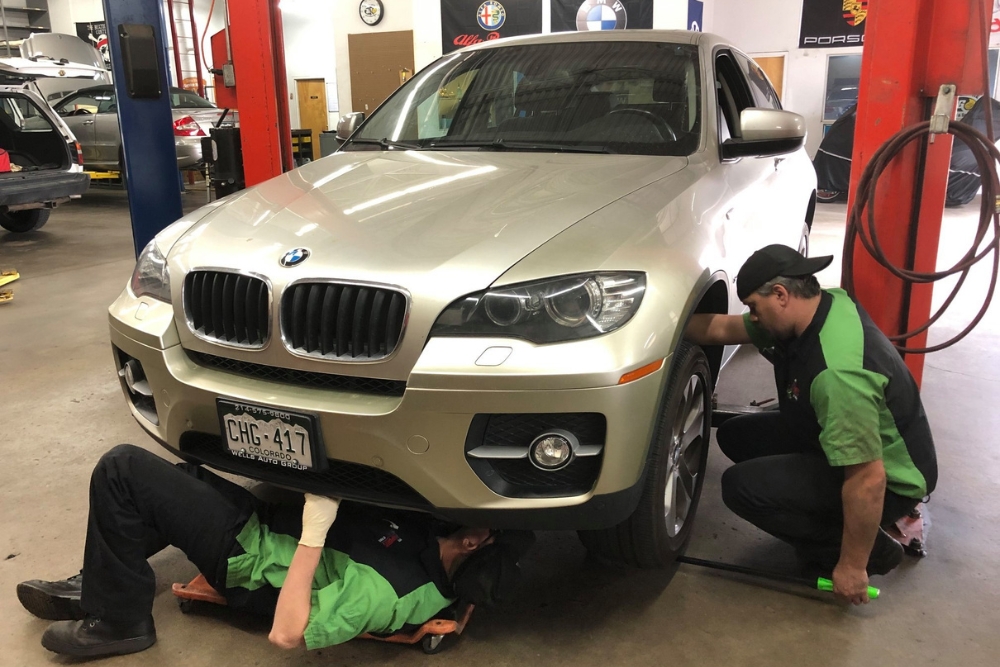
659	528
29	220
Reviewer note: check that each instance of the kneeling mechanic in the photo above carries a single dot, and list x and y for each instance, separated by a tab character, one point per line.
850	451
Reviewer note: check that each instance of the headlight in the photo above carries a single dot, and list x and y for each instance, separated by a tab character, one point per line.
151	277
547	311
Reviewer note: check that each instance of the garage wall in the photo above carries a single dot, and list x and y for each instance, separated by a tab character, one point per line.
65	14
771	27
399	15
423	17
310	52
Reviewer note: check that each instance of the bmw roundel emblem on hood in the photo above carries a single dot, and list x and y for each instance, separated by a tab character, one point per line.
295	257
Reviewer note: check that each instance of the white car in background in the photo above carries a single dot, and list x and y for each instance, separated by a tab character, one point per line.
475	307
46	164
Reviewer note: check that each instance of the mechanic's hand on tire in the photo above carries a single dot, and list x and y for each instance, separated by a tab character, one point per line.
318	514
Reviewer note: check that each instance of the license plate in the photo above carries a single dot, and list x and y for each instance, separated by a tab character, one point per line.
269	435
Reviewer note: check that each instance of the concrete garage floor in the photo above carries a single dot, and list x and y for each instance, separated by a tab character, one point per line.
62	408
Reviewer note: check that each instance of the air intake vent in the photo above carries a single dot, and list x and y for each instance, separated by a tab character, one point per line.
228	308
341	321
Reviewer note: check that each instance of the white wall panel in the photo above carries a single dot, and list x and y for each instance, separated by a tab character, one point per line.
771	27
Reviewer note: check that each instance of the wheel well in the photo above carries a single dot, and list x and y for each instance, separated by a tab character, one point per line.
715	300
811	210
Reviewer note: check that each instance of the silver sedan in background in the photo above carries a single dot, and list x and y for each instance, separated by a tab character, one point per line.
92	114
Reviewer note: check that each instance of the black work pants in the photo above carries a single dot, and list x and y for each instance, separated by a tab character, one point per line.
139	504
787	488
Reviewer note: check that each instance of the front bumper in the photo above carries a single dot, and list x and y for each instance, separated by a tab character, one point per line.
407	450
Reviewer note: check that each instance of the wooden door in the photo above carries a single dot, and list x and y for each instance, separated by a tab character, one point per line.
312	108
379	63
774	67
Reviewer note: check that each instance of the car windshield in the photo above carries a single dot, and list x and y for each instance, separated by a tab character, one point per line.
183	99
606	97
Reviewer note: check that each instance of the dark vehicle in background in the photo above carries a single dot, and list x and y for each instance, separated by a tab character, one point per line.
92	115
46	166
834	157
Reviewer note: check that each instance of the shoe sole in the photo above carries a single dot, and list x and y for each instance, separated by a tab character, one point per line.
49	607
119	647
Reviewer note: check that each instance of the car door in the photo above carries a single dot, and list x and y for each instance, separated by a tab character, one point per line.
790	185
78	112
747	225
107	134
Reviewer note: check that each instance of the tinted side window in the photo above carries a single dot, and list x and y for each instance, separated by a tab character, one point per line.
763	93
733	95
107	104
84	103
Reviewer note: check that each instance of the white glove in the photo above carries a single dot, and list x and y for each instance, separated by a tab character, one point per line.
318	515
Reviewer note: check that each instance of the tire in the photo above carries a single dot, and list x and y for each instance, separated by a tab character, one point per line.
804	240
29	220
658	531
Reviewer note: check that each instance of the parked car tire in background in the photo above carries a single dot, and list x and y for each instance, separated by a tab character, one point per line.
30	220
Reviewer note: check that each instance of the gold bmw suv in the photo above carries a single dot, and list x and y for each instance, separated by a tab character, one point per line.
474	308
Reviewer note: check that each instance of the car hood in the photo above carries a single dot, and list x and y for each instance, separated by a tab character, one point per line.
435	223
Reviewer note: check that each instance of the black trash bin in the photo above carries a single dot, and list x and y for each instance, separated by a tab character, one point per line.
223	152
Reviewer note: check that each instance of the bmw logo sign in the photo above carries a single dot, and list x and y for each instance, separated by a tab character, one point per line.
597	15
294	257
491	15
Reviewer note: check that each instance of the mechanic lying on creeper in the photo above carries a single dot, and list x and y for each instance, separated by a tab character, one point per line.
374	571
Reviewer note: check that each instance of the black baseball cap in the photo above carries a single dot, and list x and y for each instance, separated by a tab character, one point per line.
772	261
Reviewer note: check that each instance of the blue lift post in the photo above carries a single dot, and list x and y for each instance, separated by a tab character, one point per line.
150	158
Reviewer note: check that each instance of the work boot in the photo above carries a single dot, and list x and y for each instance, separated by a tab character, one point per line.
52	600
886	554
93	637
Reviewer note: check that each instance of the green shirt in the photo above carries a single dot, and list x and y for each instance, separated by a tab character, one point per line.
373	576
843	386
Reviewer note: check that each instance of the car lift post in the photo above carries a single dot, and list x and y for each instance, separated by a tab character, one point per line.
261	89
912	48
149	154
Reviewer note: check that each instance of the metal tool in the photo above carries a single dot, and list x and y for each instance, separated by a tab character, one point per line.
819	584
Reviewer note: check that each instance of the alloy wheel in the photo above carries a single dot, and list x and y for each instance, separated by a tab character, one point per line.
686	444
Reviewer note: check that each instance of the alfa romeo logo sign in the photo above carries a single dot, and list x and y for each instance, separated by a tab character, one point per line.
491	15
601	15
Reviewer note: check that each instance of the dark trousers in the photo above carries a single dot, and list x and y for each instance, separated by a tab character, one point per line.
787	488
139	504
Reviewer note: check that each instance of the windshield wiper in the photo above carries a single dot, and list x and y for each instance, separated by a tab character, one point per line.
504	144
387	143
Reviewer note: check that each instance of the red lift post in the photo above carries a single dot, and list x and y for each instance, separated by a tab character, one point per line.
260	86
912	47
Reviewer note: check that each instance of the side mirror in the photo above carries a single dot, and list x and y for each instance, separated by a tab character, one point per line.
766	132
347	125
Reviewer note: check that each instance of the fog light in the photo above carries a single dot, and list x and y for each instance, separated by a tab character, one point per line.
135	378
553	450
